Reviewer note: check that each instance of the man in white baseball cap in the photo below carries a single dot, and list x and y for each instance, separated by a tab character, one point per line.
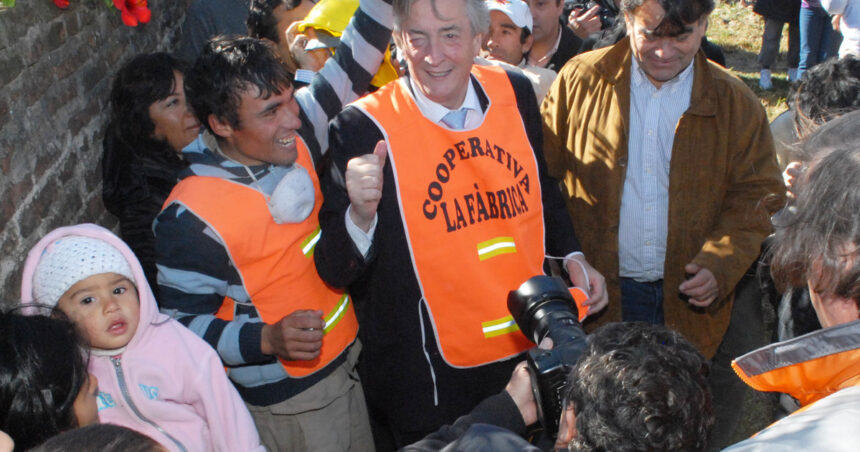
509	40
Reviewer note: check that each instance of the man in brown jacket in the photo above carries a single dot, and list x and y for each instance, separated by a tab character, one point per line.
672	244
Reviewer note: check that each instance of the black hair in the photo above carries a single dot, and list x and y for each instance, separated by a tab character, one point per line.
817	238
42	370
679	14
640	387
262	22
144	80
826	91
100	437
524	35
227	67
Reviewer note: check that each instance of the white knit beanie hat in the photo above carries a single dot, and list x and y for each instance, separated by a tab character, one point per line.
72	259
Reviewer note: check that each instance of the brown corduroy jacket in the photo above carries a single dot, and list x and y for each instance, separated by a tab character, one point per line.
724	180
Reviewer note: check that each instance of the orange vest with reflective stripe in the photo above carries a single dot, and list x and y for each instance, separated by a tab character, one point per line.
471	208
809	367
275	261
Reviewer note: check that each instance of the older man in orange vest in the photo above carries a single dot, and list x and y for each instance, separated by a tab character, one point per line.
446	206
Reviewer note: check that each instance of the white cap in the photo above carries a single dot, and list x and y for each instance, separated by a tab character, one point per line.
517	10
72	259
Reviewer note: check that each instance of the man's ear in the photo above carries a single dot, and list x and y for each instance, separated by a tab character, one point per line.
530	40
566	427
221	128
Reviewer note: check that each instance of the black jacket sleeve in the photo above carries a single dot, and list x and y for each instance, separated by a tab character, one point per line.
560	236
494	425
338	261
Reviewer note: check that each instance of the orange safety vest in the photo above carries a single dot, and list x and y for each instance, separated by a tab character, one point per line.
471	207
275	261
809	367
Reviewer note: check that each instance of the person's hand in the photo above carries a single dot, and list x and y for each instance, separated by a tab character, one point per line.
584	276
296	337
791	174
585	23
835	19
364	185
520	389
701	288
313	60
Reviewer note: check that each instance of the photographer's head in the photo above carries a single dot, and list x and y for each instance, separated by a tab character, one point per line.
637	387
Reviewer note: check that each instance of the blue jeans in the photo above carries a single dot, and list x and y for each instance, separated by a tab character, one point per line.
815	32
642	301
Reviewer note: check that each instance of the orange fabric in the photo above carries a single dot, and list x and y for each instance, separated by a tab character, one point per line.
471	206
809	381
279	277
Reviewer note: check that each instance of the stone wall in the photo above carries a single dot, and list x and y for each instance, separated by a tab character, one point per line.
55	75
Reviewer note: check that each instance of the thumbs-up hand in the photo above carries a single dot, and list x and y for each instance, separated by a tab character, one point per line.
364	185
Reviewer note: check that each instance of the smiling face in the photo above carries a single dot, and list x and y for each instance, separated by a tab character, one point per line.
439	48
661	57
267	130
504	40
174	122
105	308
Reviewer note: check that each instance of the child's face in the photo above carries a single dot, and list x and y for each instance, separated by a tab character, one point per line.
85	406
105	307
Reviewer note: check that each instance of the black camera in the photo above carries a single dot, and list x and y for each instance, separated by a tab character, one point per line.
608	11
543	306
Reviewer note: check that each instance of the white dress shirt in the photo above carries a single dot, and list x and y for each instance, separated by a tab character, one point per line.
654	114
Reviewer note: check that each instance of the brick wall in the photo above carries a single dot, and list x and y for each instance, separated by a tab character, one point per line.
55	74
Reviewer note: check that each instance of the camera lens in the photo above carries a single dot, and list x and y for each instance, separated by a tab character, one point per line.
539	303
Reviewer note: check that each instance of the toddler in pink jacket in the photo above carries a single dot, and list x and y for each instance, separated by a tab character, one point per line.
155	376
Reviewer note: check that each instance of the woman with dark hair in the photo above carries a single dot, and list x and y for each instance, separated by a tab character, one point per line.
45	388
149	125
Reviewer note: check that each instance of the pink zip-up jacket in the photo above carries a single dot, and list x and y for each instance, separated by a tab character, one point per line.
168	383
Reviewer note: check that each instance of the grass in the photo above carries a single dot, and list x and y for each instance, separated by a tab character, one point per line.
735	28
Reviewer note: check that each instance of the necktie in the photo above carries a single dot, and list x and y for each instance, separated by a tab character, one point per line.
455	119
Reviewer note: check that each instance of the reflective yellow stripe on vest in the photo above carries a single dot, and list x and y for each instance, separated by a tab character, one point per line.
499	327
333	317
494	247
310	242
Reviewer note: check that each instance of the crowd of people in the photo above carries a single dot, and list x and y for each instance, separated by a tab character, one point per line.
323	207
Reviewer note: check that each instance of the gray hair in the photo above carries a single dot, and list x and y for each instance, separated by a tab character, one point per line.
817	237
476	11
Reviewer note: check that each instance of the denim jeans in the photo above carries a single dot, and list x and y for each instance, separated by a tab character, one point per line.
815	32
642	301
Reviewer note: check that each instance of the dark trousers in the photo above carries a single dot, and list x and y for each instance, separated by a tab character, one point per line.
770	43
731	396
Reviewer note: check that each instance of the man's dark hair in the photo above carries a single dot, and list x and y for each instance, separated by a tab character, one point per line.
679	13
227	67
817	237
100	437
640	387
262	22
828	90
524	35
